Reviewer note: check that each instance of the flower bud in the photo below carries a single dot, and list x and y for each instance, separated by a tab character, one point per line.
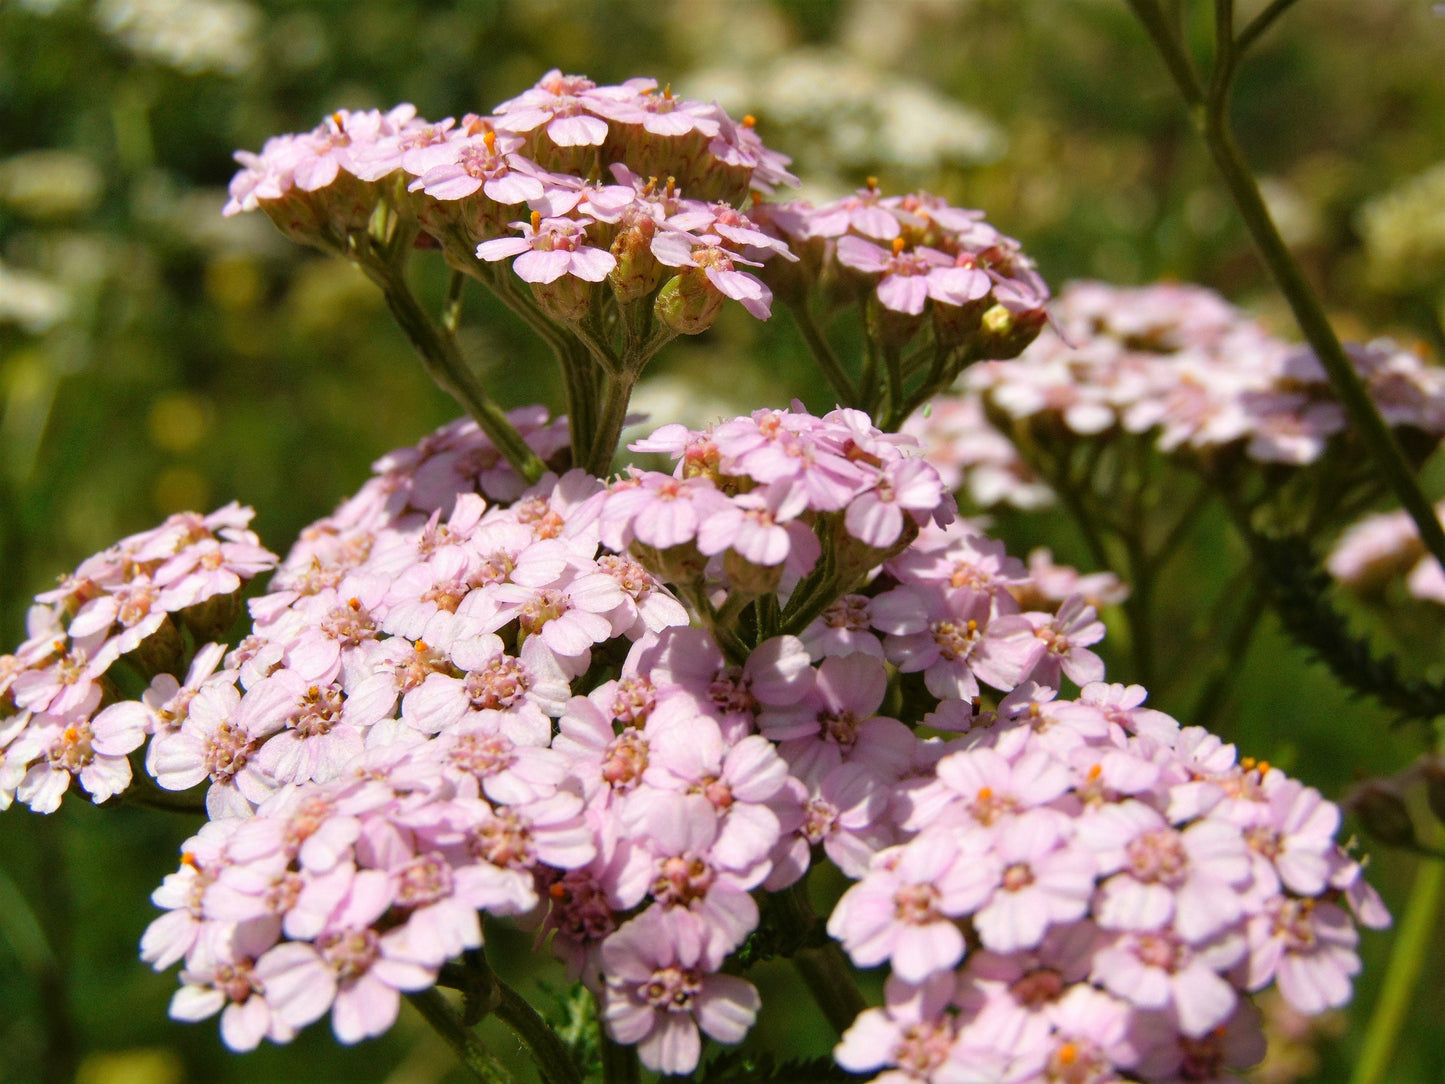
749	578
211	620
682	564
637	272
566	299
162	652
688	303
1003	333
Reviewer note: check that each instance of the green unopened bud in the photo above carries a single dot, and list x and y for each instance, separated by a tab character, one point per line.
1382	810
890	329
688	303
677	564
162	652
212	619
637	272
748	578
566	298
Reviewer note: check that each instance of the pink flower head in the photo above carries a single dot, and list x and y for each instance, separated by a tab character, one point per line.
662	987
550	248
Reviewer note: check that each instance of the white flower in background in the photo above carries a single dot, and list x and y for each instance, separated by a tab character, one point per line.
190	35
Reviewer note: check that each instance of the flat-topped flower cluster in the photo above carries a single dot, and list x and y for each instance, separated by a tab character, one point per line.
463	696
578	183
1173	361
61	714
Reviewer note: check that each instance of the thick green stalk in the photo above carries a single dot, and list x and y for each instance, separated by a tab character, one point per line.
610	420
438	1012
822	968
619	1063
553	1059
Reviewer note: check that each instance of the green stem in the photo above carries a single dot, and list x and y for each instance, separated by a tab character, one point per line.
823	353
1259	24
1407	960
893	361
823	968
450	370
554	1061
452	306
610	420
1225	678
619	1063
438	1012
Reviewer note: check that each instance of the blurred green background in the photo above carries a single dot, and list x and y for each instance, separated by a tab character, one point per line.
155	357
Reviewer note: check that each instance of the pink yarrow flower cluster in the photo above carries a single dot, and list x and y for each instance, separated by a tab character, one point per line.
1382	547
1126	882
423	728
61	717
916	252
1177	364
521	184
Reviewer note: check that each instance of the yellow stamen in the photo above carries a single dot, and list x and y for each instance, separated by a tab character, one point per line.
536	221
898	245
750	121
490	139
1068	1054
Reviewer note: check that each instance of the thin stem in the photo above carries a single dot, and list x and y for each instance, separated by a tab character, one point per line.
1166	39
554	1060
450	370
1259	24
437	1011
1407	960
1226	667
823	353
893	363
62	1048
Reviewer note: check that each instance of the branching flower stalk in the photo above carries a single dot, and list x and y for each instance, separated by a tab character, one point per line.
1209	107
